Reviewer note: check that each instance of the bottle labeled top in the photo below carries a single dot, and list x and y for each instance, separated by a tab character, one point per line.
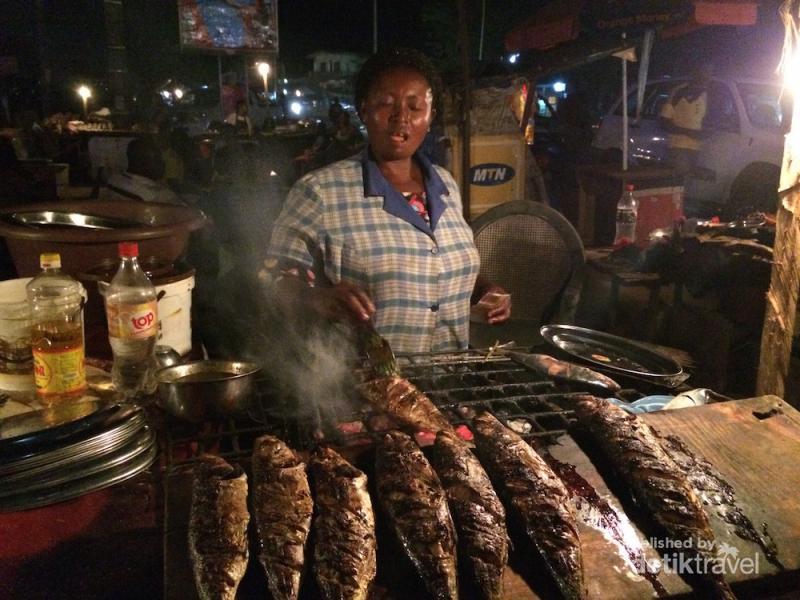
132	313
57	337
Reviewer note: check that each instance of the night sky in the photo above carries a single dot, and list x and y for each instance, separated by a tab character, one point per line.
72	39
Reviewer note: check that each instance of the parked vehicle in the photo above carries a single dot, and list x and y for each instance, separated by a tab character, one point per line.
740	158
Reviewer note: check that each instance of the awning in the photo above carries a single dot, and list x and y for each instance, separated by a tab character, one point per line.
560	21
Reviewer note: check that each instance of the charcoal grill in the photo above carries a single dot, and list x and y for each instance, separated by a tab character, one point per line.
460	384
457	382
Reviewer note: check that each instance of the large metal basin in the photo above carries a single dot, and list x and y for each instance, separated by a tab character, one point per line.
162	231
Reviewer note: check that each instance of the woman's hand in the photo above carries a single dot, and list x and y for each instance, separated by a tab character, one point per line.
344	300
494	305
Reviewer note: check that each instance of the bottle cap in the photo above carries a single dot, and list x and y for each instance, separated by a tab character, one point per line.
629	187
50	260
128	249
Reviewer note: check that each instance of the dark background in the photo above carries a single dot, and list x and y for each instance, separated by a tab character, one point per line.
59	43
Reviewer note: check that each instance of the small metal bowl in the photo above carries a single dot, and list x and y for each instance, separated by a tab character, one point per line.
207	389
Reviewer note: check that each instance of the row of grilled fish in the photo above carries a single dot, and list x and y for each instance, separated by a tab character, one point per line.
538	497
344	524
408	489
419	500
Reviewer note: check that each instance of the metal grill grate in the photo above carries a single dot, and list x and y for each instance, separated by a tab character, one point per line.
460	384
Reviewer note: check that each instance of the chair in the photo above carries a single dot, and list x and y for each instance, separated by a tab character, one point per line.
533	252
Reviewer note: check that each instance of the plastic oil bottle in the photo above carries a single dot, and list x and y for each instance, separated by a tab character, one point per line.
132	312
57	342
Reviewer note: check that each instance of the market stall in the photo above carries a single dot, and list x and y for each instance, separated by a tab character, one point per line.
734	454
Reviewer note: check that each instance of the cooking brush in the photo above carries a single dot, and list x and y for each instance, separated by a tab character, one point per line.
377	350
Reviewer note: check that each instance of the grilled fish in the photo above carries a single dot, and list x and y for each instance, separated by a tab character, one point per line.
477	512
400	399
412	496
657	482
537	497
567	371
344	528
282	508
218	528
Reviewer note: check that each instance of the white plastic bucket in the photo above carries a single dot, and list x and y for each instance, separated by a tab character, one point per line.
16	361
15	317
174	314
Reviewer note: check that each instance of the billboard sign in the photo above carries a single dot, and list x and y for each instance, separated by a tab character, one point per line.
229	25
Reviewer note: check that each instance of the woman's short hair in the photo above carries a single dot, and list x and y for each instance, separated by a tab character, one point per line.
389	60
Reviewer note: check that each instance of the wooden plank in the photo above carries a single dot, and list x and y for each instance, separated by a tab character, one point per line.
758	457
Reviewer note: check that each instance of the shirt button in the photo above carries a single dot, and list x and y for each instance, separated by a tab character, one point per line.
434	308
435	250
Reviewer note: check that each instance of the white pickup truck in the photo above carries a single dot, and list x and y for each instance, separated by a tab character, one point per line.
740	159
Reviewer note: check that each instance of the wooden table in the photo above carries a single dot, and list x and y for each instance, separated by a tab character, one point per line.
106	544
623	274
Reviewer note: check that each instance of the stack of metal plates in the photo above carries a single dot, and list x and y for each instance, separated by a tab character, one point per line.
55	454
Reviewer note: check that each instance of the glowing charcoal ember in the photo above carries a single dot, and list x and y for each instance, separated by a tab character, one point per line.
351	427
425	438
464	433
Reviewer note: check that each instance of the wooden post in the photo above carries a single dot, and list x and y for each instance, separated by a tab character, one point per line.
466	108
779	321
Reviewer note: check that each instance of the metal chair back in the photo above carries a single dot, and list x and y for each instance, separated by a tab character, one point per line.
533	252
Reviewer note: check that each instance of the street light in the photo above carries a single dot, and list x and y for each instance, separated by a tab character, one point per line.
263	70
85	93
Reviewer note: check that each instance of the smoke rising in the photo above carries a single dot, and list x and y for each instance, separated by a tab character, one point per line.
309	362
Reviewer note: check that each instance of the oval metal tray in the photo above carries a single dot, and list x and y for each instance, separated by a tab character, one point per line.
117	434
51	218
615	353
119	466
39	430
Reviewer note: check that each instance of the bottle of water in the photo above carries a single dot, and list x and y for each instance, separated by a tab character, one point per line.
132	312
626	218
57	342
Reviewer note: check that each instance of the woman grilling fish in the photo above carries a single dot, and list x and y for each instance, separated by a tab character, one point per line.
381	236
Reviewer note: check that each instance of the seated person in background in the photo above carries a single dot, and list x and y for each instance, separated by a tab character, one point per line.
143	179
18	184
240	119
346	140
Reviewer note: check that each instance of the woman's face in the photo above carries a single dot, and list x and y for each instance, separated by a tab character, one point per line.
397	112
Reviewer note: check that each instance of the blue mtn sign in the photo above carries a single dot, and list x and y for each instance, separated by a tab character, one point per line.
491	174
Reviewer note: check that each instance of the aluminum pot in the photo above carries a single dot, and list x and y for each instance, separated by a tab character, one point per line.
207	389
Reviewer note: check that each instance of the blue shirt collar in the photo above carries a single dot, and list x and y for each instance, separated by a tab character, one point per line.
375	184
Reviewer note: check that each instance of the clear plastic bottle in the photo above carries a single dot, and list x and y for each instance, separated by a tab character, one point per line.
132	313
57	339
626	218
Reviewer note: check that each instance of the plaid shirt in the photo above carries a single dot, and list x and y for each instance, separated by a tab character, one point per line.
346	222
